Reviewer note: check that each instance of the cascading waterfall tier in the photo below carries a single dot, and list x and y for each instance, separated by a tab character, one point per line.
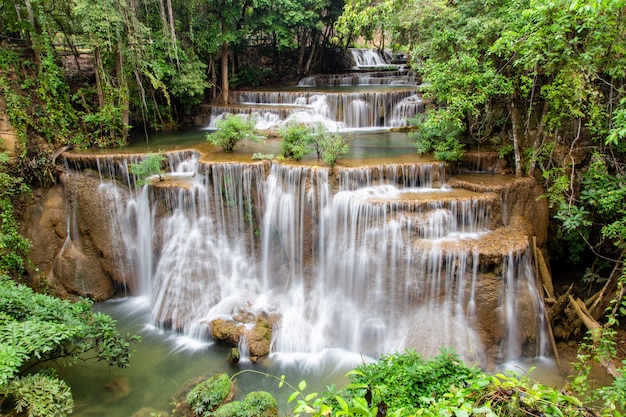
338	111
371	259
378	96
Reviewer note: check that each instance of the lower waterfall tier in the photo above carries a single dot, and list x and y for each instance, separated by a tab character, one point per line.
296	259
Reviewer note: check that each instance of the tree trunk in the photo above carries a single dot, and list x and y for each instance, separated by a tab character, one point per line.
31	21
124	100
518	155
537	141
307	69
213	76
301	52
98	69
225	73
170	12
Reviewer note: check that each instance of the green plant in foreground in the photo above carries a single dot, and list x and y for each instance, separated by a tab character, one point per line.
37	330
151	165
232	129
208	395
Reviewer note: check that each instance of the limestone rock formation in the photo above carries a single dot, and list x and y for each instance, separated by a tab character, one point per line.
255	329
73	241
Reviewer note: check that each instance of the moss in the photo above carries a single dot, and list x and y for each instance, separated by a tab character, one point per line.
260	404
232	409
209	394
256	404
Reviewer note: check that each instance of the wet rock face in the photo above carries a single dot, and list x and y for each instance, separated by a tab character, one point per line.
255	330
81	257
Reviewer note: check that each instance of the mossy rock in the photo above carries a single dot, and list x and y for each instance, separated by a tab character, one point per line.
260	404
231	409
208	395
256	404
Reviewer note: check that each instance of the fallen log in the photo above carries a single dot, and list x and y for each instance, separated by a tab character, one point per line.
595	330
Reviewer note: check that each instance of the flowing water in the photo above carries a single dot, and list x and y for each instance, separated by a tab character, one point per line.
374	256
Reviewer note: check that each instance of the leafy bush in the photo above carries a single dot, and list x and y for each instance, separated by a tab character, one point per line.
208	395
438	132
296	141
13	246
37	328
407	385
232	129
256	404
260	404
407	380
328	146
151	165
334	146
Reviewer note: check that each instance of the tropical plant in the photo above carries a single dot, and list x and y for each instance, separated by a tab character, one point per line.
328	146
39	332
334	146
13	246
406	385
296	140
439	133
232	129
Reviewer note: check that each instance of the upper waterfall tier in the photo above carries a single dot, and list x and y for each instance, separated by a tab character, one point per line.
377	97
339	108
398	77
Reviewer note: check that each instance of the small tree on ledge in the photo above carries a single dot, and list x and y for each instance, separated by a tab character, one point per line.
232	129
151	165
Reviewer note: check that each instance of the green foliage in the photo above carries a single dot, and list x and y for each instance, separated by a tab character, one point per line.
438	132
36	329
600	345
260	404
13	246
104	127
230	409
208	395
263	156
407	385
232	129
296	140
407	380
328	146
151	165
248	76
617	134
38	99
42	395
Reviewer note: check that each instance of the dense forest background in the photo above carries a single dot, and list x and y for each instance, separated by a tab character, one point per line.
541	82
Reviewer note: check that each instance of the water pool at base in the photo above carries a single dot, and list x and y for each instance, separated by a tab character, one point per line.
163	363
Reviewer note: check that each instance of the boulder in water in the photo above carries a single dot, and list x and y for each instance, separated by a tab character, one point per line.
255	329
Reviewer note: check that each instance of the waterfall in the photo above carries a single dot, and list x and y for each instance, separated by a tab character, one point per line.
367	58
369	260
338	111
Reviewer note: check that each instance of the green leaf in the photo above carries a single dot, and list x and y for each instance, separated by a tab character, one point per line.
302	385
